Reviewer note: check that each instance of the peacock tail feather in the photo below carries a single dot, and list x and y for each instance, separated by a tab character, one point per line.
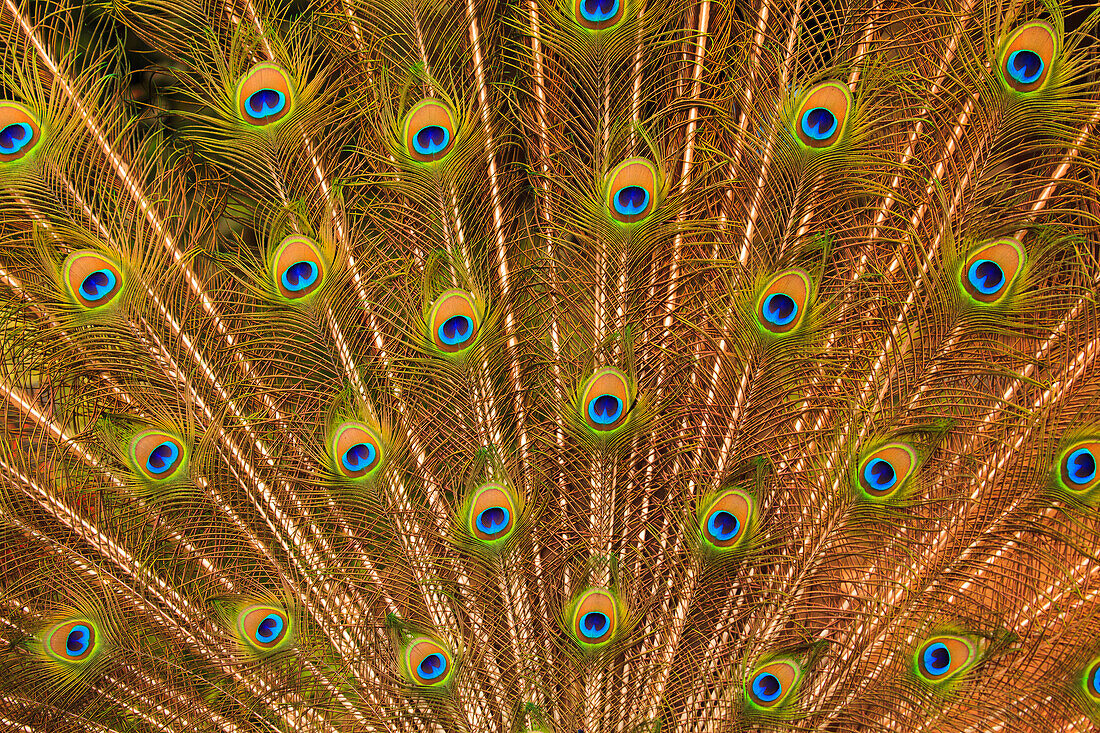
559	365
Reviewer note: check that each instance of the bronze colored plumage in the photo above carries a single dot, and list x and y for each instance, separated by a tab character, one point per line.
587	365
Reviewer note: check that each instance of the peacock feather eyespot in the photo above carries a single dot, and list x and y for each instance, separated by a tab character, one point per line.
725	521
632	191
428	663
454	321
429	131
264	628
1027	59
599	15
20	132
882	474
1090	682
158	456
605	400
773	685
356	450
74	641
492	515
91	280
988	275
821	116
943	658
297	268
265	95
1078	468
782	303
595	618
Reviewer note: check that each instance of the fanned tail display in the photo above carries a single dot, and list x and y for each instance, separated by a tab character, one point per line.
610	366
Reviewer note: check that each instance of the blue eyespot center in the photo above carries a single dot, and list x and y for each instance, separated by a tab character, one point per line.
432	666
631	200
1025	66
456	330
723	526
880	474
162	458
605	409
431	139
779	309
1094	680
595	624
358	457
300	276
986	276
937	659
818	123
269	629
766	687
98	285
78	641
15	137
265	103
493	520
598	11
1081	466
